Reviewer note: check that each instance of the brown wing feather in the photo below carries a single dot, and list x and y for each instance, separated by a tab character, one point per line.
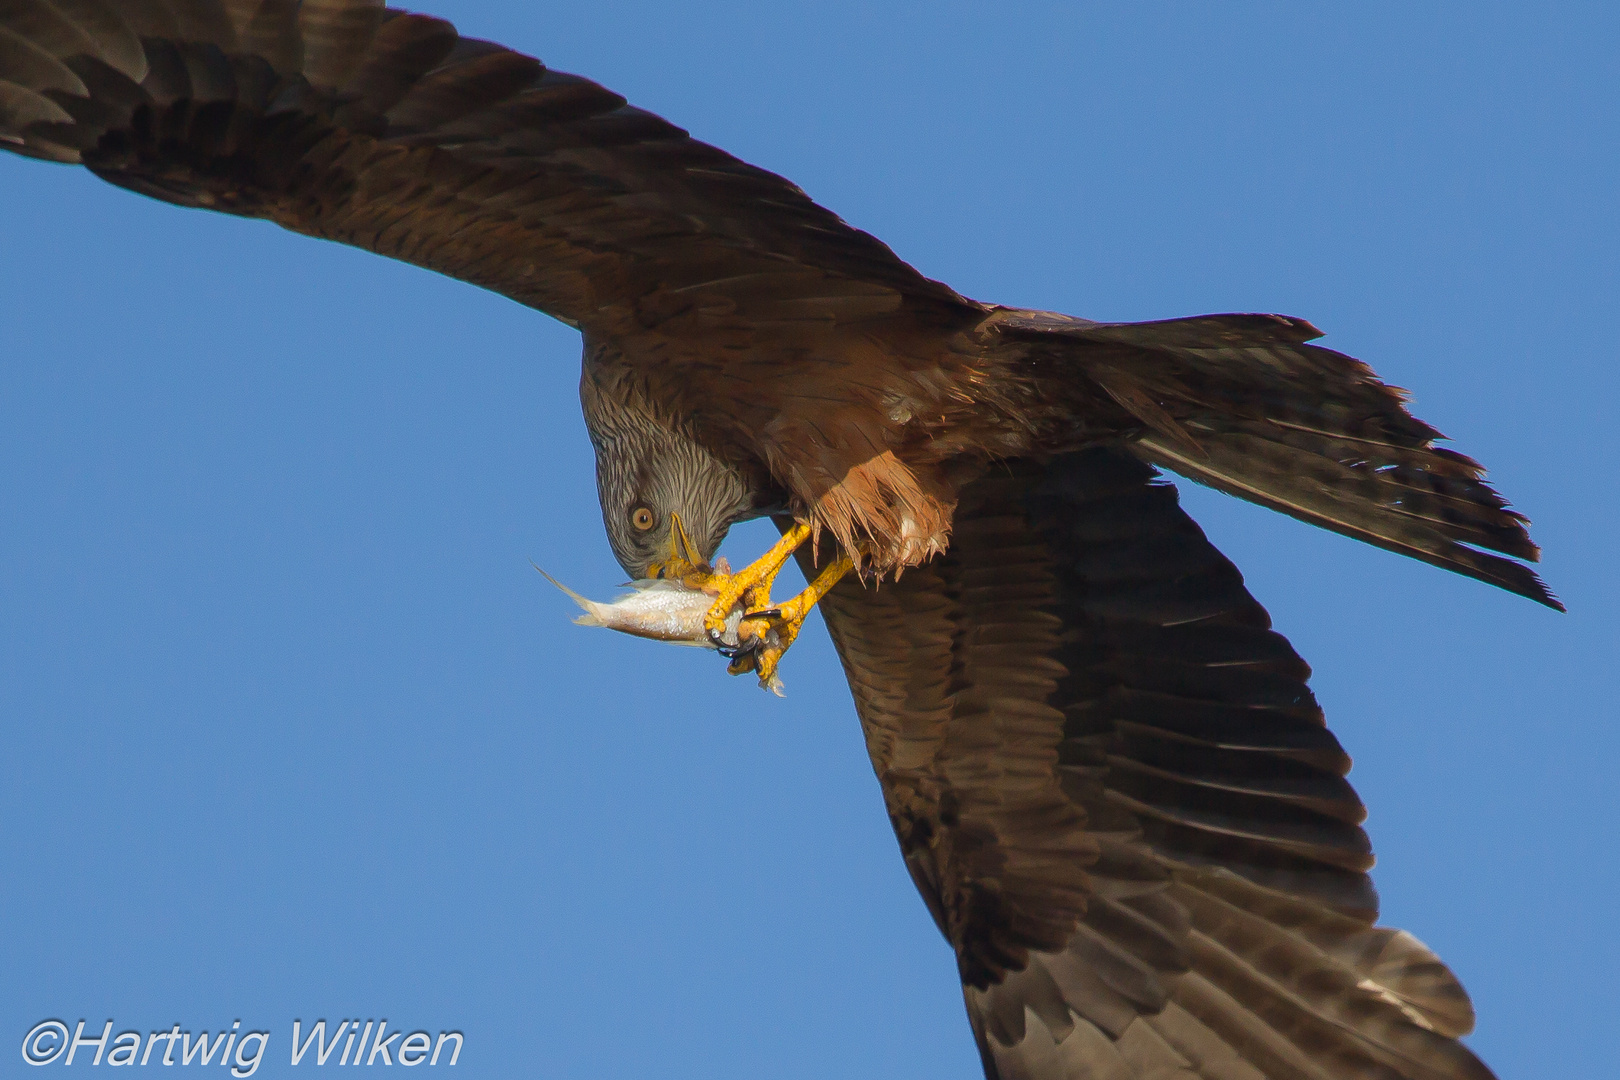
344	120
717	290
1242	403
1118	797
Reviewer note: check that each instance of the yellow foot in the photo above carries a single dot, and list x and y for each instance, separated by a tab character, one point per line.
767	634
750	587
765	631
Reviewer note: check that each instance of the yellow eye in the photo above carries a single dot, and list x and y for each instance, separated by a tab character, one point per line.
642	518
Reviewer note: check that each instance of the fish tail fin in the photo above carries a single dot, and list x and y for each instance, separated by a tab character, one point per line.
592	616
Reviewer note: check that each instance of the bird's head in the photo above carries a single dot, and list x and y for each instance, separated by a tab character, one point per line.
667	505
667	501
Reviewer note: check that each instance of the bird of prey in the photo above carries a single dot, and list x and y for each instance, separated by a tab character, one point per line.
1108	777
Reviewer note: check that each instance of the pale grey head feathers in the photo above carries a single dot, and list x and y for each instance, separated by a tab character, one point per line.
648	470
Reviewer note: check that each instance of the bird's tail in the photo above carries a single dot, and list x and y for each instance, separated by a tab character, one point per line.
1241	403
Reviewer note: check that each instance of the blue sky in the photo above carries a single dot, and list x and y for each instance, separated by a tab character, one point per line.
293	730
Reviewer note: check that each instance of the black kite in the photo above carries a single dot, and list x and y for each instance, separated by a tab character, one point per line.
1108	777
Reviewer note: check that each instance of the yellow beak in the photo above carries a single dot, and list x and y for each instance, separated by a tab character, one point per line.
681	560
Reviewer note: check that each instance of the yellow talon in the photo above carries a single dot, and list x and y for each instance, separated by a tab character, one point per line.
751	586
766	631
779	627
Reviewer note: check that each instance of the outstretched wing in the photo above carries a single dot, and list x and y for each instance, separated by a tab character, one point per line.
1118	797
389	131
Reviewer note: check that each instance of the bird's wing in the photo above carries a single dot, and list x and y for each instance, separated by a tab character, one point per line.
1117	796
389	131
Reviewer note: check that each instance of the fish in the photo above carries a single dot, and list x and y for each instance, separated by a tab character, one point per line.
657	609
662	610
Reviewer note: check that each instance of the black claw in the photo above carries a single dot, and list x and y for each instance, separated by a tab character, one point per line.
731	652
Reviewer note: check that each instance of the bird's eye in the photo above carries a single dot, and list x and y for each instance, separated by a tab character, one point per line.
642	518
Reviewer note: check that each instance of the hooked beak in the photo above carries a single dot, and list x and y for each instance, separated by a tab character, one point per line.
680	562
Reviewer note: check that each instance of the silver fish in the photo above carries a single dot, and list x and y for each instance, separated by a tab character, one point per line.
657	609
661	610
